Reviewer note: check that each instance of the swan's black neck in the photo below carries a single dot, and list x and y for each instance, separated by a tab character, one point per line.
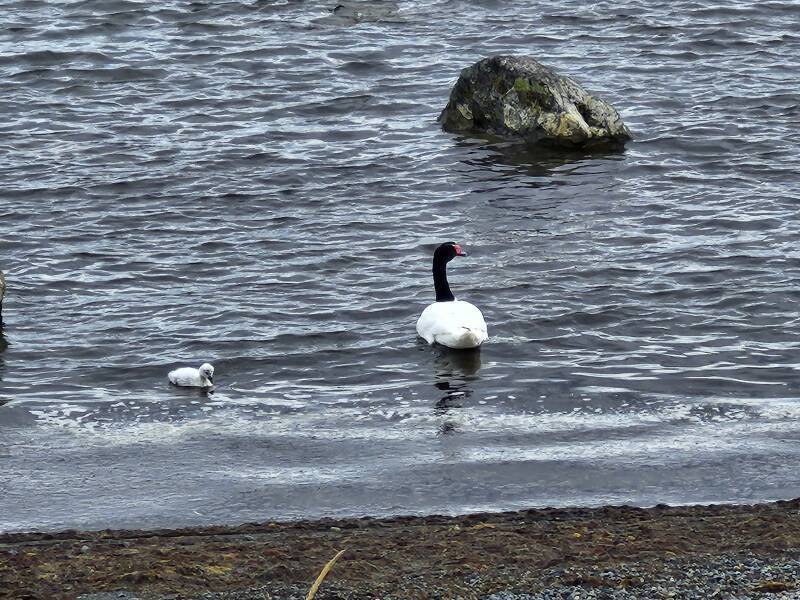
443	293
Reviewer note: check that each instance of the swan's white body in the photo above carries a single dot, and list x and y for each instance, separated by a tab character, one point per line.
190	377
455	324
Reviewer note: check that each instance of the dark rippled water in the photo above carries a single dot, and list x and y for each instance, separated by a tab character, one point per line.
261	184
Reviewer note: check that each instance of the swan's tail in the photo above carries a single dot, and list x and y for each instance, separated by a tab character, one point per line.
469	339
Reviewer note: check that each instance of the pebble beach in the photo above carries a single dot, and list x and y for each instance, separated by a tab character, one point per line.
691	552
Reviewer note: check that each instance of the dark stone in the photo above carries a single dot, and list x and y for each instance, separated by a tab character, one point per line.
519	98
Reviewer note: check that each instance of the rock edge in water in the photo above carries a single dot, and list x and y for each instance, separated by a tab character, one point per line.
517	97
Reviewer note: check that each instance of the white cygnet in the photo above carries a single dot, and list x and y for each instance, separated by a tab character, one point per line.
189	377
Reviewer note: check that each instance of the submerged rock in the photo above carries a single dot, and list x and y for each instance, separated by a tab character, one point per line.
518	97
365	12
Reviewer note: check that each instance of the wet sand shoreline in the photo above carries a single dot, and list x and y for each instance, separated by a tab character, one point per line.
470	556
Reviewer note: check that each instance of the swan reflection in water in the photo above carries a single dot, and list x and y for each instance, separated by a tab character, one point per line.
3	346
454	372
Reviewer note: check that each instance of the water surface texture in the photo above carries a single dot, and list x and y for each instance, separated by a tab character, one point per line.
261	185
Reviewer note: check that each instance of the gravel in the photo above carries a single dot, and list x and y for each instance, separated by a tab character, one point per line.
730	577
697	552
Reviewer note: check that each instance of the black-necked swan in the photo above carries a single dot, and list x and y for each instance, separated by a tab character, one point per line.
190	377
450	322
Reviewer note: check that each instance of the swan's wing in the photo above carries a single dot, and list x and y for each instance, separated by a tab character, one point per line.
427	324
469	316
184	376
455	324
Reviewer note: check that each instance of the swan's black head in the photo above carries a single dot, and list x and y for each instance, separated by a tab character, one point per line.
447	252
443	255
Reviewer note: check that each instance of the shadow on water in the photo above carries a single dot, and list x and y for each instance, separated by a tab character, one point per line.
454	372
534	186
190	392
510	159
449	363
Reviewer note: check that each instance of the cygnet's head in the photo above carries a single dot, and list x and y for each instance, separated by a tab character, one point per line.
207	372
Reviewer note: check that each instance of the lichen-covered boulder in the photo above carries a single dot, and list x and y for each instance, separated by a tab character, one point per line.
518	97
